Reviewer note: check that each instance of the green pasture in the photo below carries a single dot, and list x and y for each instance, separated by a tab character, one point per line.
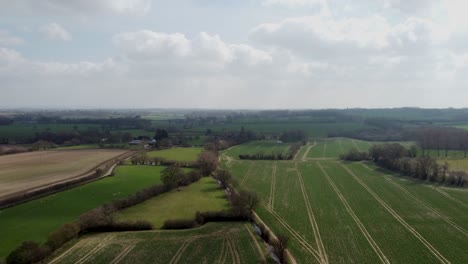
179	154
254	147
34	220
183	203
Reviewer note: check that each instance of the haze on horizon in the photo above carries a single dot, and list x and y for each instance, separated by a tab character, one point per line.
253	54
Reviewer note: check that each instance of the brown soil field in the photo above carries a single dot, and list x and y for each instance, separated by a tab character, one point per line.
25	171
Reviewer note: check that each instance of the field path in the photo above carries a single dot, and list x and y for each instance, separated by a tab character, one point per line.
304	156
324	149
122	254
95	250
451	197
234	252
273	187
259	248
363	229
179	252
295	235
355	145
318	239
222	254
247	174
428	245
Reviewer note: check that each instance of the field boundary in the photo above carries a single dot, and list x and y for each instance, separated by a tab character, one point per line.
273	187
296	235
413	231
313	222
356	219
85	177
259	249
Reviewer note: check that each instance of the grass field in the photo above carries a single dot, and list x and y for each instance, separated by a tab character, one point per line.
20	172
211	243
179	154
204	195
338	212
266	147
34	220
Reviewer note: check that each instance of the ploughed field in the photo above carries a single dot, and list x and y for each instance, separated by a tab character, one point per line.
337	212
25	171
36	219
212	243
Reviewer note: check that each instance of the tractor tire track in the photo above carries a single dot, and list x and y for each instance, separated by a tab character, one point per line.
222	254
408	227
324	149
95	250
356	145
451	197
179	252
273	187
350	211
85	242
421	202
341	146
318	239
249	171
296	235
304	156
259	249
234	252
122	254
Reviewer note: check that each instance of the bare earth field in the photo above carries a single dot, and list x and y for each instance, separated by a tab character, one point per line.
21	172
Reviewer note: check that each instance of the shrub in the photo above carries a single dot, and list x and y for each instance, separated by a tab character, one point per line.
28	252
62	235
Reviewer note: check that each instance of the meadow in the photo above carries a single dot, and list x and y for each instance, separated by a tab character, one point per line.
21	172
212	243
179	154
34	220
337	212
265	146
182	203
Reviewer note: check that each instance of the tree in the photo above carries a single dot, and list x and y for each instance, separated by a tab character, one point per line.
224	177
280	245
173	176
207	162
161	134
27	252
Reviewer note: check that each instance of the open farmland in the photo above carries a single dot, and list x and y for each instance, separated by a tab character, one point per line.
337	212
204	195
21	172
179	154
255	147
211	243
35	219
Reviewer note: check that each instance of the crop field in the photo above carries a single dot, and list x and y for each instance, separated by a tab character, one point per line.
334	147
34	220
254	147
21	172
204	195
335	212
211	243
179	154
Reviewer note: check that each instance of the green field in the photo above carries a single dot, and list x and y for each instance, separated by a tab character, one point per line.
34	220
266	147
179	154
204	195
211	243
352	213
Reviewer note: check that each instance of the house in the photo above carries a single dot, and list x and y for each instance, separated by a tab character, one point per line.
135	142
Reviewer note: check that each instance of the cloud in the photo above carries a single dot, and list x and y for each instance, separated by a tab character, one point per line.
54	31
6	39
82	7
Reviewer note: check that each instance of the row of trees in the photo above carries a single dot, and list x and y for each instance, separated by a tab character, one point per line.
442	139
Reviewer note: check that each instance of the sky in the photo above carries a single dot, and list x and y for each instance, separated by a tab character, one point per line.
250	54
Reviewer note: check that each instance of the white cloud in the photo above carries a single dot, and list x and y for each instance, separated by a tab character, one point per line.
54	31
6	39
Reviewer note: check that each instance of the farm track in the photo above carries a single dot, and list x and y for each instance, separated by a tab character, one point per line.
313	222
95	250
122	254
350	211
273	187
356	145
259	249
428	245
451	197
324	149
249	171
234	252
180	252
295	235
304	156
222	254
